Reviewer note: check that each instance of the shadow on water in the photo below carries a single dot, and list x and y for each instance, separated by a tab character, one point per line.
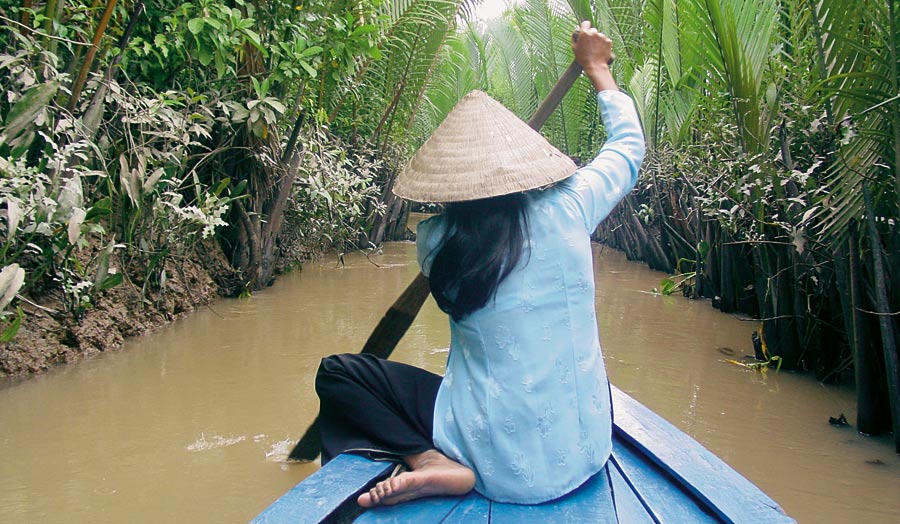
192	424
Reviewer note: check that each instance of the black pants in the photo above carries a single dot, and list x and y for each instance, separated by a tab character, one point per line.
376	407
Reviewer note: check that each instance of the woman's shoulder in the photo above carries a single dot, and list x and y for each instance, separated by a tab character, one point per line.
558	191
561	195
431	226
429	233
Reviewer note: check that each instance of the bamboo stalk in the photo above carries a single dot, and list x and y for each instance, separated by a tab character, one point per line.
25	17
50	15
79	50
92	52
95	108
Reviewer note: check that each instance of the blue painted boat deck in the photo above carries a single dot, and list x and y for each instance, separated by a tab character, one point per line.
656	475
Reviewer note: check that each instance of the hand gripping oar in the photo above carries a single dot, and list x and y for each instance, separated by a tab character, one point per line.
400	316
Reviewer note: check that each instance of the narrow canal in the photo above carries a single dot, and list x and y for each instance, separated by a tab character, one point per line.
192	424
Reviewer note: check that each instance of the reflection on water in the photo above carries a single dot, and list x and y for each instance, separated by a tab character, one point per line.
192	424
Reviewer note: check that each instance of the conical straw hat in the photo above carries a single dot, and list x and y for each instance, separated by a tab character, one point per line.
481	150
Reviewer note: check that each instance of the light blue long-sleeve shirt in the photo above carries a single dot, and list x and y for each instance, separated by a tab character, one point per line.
525	399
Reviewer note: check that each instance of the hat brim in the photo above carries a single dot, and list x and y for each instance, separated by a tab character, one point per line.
481	150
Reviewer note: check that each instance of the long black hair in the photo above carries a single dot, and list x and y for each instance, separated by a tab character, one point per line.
485	241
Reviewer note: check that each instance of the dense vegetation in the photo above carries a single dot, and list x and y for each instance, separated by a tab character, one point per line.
133	132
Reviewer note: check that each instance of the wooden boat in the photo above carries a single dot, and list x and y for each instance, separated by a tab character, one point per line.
656	475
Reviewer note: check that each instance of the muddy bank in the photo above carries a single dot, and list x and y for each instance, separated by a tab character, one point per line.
49	336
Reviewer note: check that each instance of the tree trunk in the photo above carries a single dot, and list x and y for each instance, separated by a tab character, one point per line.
708	279
247	259
888	343
273	208
847	267
397	224
727	296
774	295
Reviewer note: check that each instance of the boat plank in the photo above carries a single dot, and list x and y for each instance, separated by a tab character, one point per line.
312	500
474	509
664	499
629	508
591	503
734	498
424	510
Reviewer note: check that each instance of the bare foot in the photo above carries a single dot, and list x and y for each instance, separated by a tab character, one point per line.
432	474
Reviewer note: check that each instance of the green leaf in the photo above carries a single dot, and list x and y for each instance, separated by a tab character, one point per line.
239	188
195	25
13	216
221	186
12	278
364	29
22	143
239	113
276	105
21	116
74	227
103	265
702	250
309	69
777	359
13	328
255	39
205	54
314	50
667	286
129	182
102	205
221	68
111	281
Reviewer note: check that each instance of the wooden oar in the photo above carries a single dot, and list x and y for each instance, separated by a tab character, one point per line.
400	316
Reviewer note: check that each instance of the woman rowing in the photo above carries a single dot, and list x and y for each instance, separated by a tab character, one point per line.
523	412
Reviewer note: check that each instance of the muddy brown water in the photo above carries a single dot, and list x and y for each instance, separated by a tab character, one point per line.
192	424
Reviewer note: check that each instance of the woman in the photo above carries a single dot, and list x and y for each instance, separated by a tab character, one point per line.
523	412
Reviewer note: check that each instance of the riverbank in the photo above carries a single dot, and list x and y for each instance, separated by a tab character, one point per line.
49	336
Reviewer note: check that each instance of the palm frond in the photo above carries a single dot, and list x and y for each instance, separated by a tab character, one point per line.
395	85
862	75
462	68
